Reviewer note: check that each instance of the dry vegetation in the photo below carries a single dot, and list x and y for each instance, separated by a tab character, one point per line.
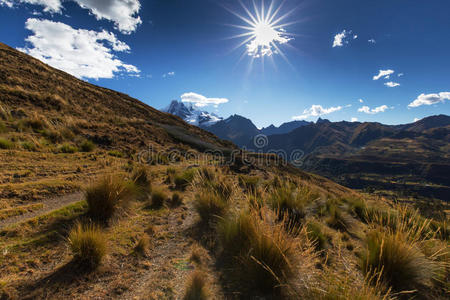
209	231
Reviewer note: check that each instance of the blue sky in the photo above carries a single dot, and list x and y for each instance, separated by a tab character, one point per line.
159	50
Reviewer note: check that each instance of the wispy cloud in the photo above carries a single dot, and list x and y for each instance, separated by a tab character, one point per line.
373	111
386	74
361	101
200	100
82	53
391	84
343	38
315	111
168	74
372	41
429	99
400	74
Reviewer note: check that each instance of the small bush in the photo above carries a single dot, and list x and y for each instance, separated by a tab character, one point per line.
142	245
88	244
116	153
249	183
6	144
336	218
183	180
197	287
36	123
176	200
142	180
29	146
67	148
2	127
87	146
105	196
262	255
159	196
210	206
53	136
315	233
289	202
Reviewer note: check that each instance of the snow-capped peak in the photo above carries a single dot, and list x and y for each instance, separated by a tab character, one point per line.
191	114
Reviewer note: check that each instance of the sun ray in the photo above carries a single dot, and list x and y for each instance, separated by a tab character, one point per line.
249	13
258	17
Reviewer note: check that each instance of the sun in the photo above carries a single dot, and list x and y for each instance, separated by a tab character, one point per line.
264	32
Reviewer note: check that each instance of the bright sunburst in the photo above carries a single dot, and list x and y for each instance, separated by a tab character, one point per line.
264	32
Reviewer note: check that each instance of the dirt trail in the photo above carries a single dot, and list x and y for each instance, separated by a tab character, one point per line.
49	205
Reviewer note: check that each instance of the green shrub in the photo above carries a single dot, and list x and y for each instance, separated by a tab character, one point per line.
88	244
183	180
262	255
106	196
159	196
315	233
116	153
6	144
2	127
87	146
67	148
53	136
197	287
209	205
29	146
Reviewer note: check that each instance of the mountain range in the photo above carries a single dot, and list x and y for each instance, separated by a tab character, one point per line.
411	158
235	128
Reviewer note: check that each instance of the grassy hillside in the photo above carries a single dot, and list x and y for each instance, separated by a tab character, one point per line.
82	217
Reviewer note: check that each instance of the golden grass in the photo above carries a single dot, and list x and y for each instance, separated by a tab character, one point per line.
197	287
88	244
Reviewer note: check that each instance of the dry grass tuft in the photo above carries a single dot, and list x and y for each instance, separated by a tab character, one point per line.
88	244
397	251
209	205
197	287
142	245
106	196
261	254
141	179
159	196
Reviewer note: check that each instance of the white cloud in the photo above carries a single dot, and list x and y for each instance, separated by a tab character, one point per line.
354	119
361	101
386	74
53	6
122	12
82	53
341	38
391	84
367	110
168	74
416	119
200	100
372	41
315	111
429	99
355	36
400	74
